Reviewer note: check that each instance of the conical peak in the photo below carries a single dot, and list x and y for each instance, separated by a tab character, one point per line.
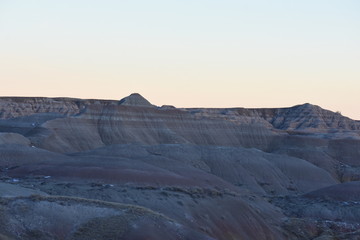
135	99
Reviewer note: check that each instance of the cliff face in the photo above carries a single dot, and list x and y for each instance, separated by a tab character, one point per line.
210	171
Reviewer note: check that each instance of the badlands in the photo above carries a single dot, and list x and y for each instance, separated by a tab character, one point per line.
108	169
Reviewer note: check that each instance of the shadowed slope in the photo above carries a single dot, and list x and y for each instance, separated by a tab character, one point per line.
349	191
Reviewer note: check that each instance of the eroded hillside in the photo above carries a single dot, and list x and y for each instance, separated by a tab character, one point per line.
102	169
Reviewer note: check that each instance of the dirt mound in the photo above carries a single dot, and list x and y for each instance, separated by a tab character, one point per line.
13	138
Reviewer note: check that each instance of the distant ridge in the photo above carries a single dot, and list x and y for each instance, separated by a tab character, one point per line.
299	117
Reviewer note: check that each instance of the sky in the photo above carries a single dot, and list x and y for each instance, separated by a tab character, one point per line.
186	53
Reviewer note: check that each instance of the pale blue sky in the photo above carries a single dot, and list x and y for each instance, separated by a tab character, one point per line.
186	53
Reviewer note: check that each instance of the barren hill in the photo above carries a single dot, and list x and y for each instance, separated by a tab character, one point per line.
127	169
